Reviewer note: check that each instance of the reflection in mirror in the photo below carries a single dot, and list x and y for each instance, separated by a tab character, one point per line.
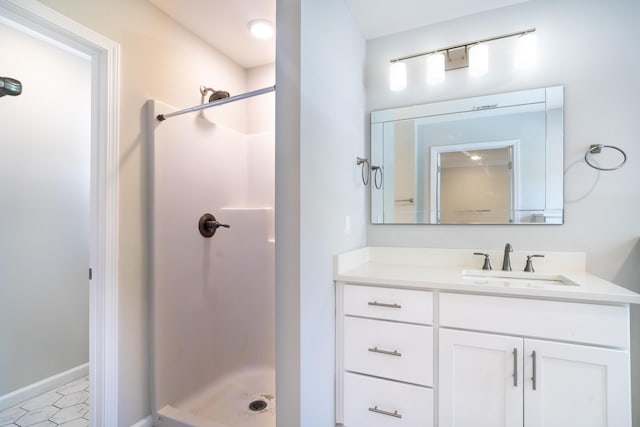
473	184
495	159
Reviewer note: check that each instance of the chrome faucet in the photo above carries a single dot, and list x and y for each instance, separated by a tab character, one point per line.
506	260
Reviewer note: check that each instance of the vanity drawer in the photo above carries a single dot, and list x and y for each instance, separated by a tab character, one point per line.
403	305
381	403
397	351
568	321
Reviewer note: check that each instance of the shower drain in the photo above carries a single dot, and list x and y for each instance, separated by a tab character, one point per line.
257	405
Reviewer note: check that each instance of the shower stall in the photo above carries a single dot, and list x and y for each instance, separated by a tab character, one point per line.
212	270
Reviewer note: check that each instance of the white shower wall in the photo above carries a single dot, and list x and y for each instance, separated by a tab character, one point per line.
212	298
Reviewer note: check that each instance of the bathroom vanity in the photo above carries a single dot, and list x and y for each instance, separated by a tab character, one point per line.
426	338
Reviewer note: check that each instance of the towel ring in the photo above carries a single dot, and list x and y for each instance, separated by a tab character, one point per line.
377	172
366	170
596	149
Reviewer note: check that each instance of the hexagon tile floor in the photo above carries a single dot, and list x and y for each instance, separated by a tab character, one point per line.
66	406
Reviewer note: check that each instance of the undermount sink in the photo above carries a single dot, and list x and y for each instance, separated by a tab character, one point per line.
522	278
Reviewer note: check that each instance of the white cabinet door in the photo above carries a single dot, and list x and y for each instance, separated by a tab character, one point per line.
576	386
480	380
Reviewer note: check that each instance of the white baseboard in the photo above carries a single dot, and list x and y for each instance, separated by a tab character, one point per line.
32	390
145	422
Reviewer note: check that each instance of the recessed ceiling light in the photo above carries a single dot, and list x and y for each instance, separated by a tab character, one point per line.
261	28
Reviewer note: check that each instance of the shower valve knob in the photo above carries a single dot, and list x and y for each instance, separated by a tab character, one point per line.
208	225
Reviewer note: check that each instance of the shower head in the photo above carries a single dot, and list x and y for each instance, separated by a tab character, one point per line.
215	94
218	94
9	86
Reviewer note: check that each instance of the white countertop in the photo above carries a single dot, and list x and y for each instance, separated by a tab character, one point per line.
444	269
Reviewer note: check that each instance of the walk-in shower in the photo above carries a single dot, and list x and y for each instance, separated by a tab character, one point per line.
9	86
212	269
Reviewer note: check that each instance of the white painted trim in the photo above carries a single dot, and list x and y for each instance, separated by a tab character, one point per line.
32	390
145	422
103	305
434	179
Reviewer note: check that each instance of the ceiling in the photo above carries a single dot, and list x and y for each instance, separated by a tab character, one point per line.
223	23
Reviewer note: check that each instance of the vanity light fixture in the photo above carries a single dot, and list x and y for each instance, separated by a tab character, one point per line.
474	55
261	28
526	53
398	76
479	59
435	68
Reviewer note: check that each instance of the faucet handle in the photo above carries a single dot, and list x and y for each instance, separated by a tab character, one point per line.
529	266
487	264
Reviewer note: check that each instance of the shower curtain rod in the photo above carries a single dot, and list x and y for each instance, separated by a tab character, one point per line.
162	117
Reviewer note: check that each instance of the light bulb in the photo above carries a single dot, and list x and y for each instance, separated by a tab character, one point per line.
261	28
435	68
527	51
479	59
398	76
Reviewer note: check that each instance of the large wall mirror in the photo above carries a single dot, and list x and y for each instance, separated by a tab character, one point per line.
494	159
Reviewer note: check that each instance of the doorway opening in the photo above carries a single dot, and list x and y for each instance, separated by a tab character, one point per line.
103	55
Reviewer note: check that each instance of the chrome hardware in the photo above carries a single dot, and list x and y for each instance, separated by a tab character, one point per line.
506	260
515	367
208	225
533	378
366	169
381	304
380	411
163	117
596	149
390	353
529	266
487	264
409	200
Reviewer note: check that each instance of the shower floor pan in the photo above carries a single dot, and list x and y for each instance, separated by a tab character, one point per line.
245	398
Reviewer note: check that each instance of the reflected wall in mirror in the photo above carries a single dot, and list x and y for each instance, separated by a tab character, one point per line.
494	159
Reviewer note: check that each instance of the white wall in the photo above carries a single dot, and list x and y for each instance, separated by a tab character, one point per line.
287	206
44	213
585	47
261	121
261	114
162	60
317	186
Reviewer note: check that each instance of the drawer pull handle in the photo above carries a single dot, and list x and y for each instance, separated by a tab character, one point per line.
380	411
533	378
515	367
390	353
381	304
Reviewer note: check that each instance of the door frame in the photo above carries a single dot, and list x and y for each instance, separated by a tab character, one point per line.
103	294
434	178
